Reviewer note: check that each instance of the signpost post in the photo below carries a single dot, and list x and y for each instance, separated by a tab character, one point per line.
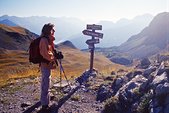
91	32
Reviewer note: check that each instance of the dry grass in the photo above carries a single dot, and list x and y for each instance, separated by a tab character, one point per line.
15	64
13	29
76	62
165	54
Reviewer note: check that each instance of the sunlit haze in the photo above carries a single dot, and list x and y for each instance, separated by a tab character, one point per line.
87	10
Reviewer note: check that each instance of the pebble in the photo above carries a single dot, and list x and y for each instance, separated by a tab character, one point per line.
26	104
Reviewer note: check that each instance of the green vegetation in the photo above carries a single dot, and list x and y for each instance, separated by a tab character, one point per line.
5	101
136	91
75	98
144	104
111	105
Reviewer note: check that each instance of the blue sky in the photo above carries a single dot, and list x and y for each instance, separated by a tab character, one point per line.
88	10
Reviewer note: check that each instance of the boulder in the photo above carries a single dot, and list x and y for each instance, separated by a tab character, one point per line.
161	79
148	71
162	89
144	63
103	93
132	88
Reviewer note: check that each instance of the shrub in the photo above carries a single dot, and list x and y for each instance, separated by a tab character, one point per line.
113	73
144	104
111	105
75	98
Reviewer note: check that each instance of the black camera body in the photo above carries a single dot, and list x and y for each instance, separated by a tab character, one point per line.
58	54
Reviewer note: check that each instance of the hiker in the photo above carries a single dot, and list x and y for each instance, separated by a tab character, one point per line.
46	47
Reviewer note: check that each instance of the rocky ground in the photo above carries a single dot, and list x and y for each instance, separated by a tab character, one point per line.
21	94
143	90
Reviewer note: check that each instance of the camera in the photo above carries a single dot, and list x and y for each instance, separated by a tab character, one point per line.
58	54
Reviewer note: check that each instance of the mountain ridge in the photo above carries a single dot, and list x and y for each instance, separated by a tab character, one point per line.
151	39
15	38
70	28
8	22
115	33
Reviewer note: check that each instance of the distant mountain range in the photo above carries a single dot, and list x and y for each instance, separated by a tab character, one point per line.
71	28
115	33
152	40
8	22
65	27
19	38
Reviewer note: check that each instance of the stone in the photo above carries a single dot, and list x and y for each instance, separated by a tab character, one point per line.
161	79
144	63
166	109
148	71
162	89
103	93
26	104
118	81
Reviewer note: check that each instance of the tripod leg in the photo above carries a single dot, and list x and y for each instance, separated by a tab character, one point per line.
61	68
66	79
60	78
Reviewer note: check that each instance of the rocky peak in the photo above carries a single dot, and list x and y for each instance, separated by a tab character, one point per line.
151	39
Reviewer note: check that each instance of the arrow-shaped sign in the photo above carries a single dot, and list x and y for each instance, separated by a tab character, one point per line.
94	27
94	34
92	41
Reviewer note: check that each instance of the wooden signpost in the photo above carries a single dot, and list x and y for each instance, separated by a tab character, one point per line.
91	32
94	27
92	41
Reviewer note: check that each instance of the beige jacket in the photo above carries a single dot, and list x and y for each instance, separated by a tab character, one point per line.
47	52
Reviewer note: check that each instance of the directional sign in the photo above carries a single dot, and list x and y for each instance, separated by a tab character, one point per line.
94	34
94	27
92	41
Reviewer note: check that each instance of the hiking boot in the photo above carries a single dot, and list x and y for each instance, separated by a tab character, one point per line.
45	109
45	106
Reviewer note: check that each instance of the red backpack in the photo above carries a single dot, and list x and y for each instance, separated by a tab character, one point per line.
34	53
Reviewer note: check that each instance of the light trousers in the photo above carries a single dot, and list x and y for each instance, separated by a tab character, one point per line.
45	82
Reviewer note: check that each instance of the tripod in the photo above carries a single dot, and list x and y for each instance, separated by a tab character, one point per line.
62	72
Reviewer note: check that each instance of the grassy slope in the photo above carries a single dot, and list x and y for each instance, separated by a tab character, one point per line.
15	64
76	62
14	38
13	29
